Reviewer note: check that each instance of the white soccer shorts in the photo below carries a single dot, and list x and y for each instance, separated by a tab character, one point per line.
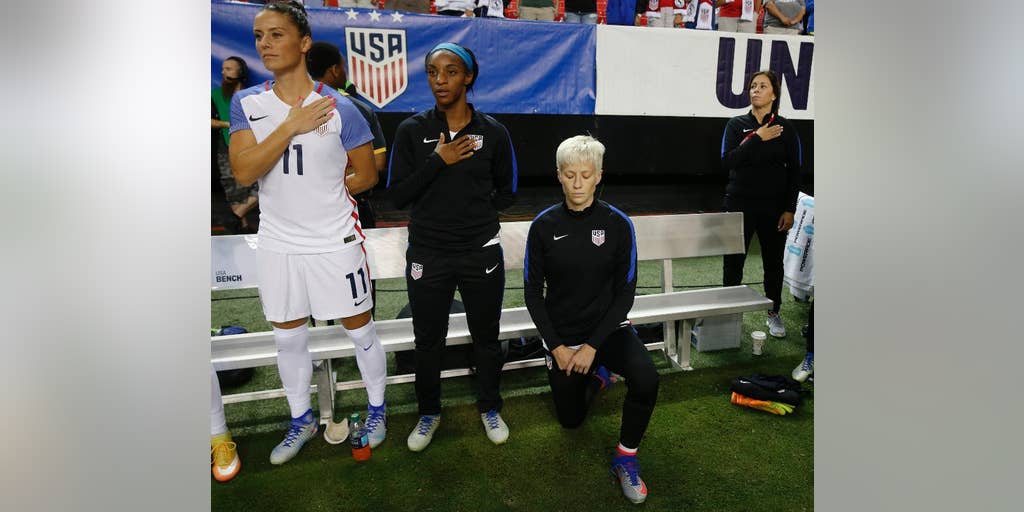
327	286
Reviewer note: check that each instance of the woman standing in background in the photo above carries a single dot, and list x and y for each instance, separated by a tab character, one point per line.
761	151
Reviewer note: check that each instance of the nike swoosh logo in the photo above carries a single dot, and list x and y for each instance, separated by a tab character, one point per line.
251	118
368	348
560	237
425	141
748	130
492	268
362	301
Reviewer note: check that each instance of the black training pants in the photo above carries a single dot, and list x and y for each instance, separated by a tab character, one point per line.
624	354
773	245
432	277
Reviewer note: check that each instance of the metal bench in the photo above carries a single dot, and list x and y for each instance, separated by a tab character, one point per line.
659	237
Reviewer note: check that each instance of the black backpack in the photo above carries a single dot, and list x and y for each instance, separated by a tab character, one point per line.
236	377
773	388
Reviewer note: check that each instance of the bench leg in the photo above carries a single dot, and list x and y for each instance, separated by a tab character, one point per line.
324	373
669	331
682	343
671	337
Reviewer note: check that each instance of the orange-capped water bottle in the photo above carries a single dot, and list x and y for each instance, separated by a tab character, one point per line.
358	437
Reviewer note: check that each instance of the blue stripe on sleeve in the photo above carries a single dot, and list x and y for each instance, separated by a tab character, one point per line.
800	150
515	166
723	140
526	261
632	252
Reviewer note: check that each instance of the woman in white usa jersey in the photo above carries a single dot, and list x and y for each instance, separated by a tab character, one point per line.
296	136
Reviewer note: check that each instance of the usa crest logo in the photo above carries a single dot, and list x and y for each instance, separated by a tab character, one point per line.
378	63
597	236
417	271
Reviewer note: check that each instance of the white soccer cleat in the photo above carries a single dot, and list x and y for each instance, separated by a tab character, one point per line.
804	370
497	430
775	326
420	436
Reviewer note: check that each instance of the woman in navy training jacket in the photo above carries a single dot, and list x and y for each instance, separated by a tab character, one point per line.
761	151
456	168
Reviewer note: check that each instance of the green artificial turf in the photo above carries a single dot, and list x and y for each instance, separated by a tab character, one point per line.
700	452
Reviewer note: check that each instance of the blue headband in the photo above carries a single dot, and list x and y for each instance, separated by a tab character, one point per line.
457	50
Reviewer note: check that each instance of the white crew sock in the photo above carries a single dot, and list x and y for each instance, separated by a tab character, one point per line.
218	423
295	365
371	361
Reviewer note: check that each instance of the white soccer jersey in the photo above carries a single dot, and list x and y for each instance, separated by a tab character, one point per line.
305	207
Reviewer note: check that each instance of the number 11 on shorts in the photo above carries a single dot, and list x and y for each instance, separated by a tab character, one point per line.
352	282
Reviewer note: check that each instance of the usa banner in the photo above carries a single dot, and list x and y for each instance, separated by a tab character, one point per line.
377	63
524	68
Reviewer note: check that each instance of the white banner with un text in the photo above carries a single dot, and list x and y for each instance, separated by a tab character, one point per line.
698	73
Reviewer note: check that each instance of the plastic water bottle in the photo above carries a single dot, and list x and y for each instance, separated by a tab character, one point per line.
359	438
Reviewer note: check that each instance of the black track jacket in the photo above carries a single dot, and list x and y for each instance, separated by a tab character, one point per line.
588	260
762	175
453	207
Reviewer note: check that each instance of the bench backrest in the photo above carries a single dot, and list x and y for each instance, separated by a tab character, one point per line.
659	237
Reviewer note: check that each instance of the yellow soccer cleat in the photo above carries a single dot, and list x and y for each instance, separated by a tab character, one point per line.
224	454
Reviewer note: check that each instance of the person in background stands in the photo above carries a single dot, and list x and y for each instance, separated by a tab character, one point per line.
761	152
663	13
809	19
739	16
361	4
234	73
703	15
327	64
490	9
624	12
464	8
416	6
581	11
783	16
538	10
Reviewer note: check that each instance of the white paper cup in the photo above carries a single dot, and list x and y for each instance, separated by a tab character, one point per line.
758	338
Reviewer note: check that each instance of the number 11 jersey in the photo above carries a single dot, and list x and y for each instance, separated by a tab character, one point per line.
305	207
